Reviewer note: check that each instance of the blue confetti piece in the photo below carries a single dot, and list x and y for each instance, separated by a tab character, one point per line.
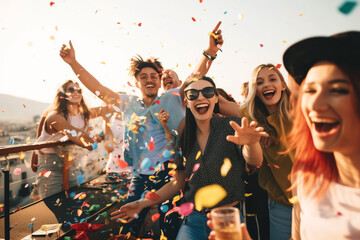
97	218
166	154
81	178
108	115
145	164
91	135
12	141
105	155
225	12
72	194
141	129
73	133
347	7
30	225
164	208
94	145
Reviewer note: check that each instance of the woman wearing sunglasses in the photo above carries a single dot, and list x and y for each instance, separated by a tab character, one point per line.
65	119
206	141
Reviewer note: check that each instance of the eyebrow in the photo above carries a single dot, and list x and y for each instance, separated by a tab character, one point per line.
339	81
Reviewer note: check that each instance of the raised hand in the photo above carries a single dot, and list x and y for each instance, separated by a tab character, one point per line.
215	40
163	117
128	212
246	134
68	54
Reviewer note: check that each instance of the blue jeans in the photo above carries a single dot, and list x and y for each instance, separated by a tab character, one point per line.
138	188
280	221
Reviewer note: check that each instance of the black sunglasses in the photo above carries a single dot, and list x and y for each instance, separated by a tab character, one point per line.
193	94
71	90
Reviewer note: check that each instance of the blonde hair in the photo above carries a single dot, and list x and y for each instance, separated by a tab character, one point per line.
256	109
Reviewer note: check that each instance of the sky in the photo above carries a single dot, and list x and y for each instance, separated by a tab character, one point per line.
107	33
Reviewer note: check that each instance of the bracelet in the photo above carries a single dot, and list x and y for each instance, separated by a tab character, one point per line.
209	56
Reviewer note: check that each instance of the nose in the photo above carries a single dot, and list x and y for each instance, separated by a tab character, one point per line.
317	102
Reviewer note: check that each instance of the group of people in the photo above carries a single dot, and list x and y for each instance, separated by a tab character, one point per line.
293	151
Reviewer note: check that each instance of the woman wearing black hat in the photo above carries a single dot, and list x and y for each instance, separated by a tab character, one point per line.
326	136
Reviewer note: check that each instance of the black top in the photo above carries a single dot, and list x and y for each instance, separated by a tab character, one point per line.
216	150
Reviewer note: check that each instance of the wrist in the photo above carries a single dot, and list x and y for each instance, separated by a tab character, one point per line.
209	54
146	202
211	51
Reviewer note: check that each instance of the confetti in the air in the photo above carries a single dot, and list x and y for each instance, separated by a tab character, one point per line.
225	167
209	196
186	208
17	171
278	66
294	200
241	16
193	19
51	4
139	24
347	7
198	155
261	45
45	173
196	167
155	217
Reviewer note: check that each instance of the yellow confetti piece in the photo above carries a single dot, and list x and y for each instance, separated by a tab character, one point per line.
271	68
300	15
120	230
56	28
246	182
177	65
294	200
241	16
175	199
162	237
248	194
103	62
21	155
209	196
284	41
189	64
82	196
212	34
27	140
152	178
124	221
250	214
198	155
225	167
52	38
172	165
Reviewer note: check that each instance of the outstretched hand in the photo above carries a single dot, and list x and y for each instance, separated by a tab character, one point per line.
68	54
215	39
163	117
246	134
127	212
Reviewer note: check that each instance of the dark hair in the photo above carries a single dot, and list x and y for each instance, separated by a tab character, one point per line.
223	93
137	63
60	102
188	137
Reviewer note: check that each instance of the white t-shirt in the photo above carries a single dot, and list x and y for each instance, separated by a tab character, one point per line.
335	216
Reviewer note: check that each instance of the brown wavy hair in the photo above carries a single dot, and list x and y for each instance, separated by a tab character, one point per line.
137	63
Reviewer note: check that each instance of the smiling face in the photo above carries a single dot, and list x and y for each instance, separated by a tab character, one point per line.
269	88
73	93
328	105
170	80
202	108
148	82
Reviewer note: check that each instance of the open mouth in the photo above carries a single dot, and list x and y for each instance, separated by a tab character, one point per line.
202	108
269	94
326	126
169	82
150	86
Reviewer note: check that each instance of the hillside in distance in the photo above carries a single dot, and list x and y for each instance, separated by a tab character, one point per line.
16	109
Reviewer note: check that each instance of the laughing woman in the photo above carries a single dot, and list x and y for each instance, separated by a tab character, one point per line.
216	138
268	104
326	136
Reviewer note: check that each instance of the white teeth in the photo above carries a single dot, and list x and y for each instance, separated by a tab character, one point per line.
150	85
202	105
323	120
269	91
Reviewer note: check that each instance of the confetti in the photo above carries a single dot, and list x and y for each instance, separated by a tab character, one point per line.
151	145
196	167
241	16
284	41
17	171
198	155
155	217
102	62
45	173
209	196
200	1
24	105
225	167
225	12
186	208
294	200
130	84
261	45
145	164
157	101
248	194
152	196
52	38
193	19
121	163
300	15
278	66
164	208
139	24
347	7
51	4
21	155
212	34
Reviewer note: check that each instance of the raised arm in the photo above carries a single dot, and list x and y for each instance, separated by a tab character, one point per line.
130	211
248	135
90	82
163	118
215	43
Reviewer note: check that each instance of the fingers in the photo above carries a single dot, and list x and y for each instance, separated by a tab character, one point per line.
232	139
71	46
244	231
235	126
244	122
212	235
216	27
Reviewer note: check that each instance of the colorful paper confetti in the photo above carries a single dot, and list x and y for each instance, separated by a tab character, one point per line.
209	196
225	167
347	7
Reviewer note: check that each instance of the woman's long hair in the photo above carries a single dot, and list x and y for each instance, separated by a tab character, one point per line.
256	108
188	137
60	102
310	164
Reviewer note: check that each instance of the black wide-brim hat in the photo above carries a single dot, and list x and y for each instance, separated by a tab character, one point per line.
339	48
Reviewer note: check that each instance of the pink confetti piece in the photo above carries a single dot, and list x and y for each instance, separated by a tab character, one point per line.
78	195
139	24
17	171
186	208
196	167
261	45
175	93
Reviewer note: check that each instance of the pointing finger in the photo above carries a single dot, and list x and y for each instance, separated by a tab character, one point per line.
217	27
